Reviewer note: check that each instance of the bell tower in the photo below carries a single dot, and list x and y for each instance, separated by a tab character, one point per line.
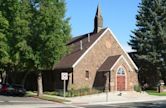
98	20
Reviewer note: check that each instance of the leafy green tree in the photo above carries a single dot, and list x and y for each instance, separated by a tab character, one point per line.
148	39
3	40
18	16
4	56
35	37
50	33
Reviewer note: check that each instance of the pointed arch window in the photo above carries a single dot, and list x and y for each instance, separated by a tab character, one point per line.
121	71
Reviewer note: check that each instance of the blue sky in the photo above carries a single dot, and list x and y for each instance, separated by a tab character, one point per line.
118	15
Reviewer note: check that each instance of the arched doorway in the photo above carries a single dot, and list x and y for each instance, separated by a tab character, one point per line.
121	82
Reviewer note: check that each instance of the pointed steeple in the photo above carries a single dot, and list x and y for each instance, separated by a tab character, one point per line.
98	21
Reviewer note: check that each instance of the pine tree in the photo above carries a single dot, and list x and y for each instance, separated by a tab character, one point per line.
147	40
163	41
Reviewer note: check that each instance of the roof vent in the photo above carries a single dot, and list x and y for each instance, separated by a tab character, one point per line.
81	45
88	37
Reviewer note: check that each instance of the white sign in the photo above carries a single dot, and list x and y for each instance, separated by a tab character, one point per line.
64	76
162	83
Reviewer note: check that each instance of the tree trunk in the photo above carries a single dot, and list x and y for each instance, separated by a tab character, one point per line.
39	84
4	77
1	78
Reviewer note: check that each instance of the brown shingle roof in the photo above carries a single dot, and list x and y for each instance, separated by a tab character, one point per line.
67	61
108	63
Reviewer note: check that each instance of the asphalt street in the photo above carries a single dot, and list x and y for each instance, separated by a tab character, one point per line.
28	102
153	104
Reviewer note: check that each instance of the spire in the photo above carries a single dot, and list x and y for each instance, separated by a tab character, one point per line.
98	21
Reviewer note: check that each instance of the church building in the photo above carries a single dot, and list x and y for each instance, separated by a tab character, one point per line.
97	60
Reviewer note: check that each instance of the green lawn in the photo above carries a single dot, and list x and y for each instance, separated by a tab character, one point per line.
49	97
30	94
153	92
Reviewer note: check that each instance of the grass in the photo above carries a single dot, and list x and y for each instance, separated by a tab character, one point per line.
30	94
50	93
155	93
57	96
74	93
48	97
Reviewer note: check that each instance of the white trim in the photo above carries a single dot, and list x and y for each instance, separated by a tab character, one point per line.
96	42
127	63
121	57
116	63
89	48
124	76
124	50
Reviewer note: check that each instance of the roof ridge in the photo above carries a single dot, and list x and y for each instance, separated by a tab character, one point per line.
77	38
76	54
101	33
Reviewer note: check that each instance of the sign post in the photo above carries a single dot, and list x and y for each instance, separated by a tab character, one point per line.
64	77
106	95
64	88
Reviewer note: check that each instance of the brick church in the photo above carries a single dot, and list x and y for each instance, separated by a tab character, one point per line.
97	60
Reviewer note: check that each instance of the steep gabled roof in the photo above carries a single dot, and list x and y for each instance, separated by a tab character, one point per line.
76	55
74	45
108	63
111	62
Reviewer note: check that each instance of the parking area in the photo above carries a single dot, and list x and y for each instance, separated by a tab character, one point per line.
12	89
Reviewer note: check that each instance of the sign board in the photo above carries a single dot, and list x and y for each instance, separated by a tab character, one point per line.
162	83
64	76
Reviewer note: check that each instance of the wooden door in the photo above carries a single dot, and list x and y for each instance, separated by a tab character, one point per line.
120	83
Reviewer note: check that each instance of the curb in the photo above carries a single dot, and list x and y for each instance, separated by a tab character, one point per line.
116	102
67	102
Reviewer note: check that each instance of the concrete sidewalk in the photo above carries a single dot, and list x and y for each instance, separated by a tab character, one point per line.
114	98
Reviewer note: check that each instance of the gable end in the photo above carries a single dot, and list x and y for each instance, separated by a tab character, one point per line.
124	50
82	56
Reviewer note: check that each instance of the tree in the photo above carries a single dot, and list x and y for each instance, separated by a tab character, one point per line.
163	43
4	56
36	34
17	14
148	39
50	33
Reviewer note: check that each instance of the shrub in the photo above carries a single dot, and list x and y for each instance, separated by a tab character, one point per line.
137	88
72	92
